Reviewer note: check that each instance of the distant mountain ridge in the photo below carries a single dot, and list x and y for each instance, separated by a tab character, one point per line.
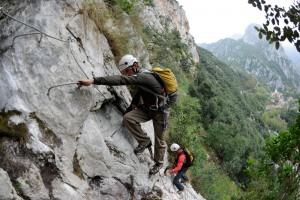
258	58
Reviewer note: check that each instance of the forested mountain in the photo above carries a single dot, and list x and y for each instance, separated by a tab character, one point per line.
260	59
61	142
70	143
232	102
236	123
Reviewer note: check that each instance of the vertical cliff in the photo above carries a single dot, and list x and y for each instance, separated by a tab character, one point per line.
59	142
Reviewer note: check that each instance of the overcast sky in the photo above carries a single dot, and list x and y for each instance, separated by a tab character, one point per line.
212	20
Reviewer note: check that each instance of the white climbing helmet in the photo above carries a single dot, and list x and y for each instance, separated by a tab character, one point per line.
174	147
126	61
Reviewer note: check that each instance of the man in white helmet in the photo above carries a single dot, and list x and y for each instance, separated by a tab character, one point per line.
180	167
139	112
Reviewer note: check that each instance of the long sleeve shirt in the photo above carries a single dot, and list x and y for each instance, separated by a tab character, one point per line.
179	161
140	80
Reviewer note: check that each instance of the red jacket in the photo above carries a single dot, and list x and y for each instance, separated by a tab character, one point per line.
180	158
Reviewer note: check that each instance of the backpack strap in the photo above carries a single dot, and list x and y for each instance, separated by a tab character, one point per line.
160	80
160	104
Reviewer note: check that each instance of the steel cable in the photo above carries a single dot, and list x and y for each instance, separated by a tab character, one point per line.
1	9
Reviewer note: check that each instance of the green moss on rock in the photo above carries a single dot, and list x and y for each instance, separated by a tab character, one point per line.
9	128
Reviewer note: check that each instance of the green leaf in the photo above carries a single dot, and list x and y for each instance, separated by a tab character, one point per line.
277	45
260	35
286	21
297	45
296	34
269	35
266	8
259	6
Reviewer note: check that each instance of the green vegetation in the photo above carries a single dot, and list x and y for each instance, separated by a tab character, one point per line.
186	118
288	115
127	6
167	50
220	113
18	187
276	175
106	15
273	120
49	137
10	129
281	24
186	129
231	114
109	19
148	2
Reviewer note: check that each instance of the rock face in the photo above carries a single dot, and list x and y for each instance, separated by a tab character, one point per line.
258	58
60	142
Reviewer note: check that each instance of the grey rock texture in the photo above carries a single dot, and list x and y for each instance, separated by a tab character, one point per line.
75	147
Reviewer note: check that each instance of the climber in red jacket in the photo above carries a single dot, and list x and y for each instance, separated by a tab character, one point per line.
180	167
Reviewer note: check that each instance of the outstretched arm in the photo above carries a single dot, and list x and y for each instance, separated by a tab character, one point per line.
85	82
178	167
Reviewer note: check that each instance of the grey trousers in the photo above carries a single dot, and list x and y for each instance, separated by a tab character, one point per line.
132	121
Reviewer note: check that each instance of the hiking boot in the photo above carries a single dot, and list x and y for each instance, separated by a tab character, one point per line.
141	149
155	168
180	191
